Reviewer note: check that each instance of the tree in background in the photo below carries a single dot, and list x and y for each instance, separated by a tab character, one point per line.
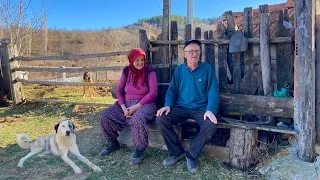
21	22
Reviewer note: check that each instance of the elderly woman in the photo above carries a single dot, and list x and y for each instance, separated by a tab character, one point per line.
136	92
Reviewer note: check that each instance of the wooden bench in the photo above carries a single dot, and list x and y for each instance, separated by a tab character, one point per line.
243	141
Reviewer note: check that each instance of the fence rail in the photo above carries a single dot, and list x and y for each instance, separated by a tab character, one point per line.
80	69
274	40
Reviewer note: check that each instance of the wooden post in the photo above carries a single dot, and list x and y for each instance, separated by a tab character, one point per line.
222	59
174	48
305	14
197	34
265	49
144	43
318	70
166	30
187	35
209	49
243	143
250	80
12	89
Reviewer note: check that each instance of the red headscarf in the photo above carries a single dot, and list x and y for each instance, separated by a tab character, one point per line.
136	74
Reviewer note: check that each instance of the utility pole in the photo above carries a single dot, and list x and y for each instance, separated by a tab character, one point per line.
190	12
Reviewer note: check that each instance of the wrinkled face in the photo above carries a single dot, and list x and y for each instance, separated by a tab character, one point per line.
139	62
64	128
192	53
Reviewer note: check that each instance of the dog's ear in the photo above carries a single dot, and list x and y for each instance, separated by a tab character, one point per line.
56	127
74	127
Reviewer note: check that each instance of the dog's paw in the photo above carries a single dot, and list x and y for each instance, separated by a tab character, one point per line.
77	170
20	165
96	169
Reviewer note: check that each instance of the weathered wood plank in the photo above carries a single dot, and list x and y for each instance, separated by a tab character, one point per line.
79	69
250	82
305	109
174	48
144	43
318	70
209	49
236	75
71	57
265	49
256	105
222	61
273	40
197	33
284	55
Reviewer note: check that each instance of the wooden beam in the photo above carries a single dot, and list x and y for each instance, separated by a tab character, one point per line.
68	102
305	108
317	76
71	57
273	40
79	69
174	48
265	49
256	105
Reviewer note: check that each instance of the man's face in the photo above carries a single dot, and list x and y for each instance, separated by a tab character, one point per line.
192	53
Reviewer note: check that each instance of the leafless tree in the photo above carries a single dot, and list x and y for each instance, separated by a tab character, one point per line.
21	22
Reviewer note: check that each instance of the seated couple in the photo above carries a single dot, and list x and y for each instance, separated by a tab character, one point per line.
192	94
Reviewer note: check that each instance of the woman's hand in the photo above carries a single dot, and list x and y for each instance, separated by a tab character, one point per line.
133	109
125	110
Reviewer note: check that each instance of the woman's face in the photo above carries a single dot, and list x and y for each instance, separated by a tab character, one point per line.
139	62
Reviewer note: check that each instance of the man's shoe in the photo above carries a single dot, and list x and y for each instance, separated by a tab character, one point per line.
138	160
113	146
172	160
192	165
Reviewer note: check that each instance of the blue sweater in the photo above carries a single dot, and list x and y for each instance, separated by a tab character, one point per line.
197	89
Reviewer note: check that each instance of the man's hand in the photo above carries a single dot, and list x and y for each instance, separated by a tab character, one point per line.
133	109
162	110
211	116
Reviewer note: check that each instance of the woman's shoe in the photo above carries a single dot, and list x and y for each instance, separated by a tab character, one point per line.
137	157
113	146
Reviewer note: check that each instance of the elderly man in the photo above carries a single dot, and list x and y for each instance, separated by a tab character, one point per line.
193	94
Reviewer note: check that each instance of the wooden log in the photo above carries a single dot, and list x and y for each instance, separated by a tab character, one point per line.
79	69
222	58
317	76
305	109
13	89
265	49
284	55
273	40
242	147
256	105
166	30
209	49
250	82
71	57
144	43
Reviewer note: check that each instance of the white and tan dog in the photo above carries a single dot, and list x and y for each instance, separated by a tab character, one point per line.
58	144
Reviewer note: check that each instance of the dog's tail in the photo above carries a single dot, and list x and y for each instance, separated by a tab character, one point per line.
23	141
